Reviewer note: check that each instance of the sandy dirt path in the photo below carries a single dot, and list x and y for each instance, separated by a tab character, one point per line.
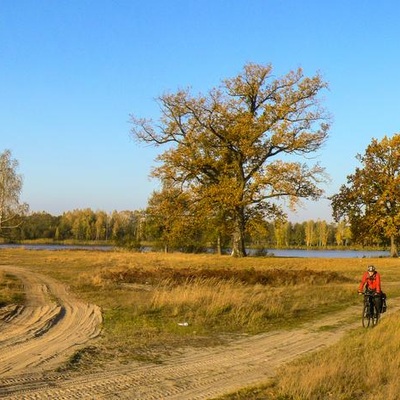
48	329
34	340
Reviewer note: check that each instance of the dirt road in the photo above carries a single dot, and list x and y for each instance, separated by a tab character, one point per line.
37	338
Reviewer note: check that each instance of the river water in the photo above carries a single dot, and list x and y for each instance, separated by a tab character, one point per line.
271	252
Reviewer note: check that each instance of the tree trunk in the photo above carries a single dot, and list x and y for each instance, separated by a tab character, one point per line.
238	247
219	249
393	247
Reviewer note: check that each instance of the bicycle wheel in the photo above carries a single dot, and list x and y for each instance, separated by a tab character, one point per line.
366	316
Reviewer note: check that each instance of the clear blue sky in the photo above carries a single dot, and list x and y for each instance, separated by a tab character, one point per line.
71	72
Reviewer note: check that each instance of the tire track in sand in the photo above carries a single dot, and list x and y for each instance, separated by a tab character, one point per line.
47	330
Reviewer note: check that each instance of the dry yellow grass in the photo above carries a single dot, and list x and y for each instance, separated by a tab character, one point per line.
362	366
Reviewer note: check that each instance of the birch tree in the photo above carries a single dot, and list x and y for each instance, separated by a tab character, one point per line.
11	210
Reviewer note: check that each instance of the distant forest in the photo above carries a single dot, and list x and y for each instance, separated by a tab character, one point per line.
134	229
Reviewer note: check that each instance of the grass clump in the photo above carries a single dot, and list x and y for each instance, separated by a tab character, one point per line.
11	290
80	359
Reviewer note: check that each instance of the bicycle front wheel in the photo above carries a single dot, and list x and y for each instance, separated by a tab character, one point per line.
366	316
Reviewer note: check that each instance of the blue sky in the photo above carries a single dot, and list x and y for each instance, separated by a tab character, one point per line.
72	71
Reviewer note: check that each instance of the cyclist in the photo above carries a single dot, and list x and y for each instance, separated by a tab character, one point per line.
371	281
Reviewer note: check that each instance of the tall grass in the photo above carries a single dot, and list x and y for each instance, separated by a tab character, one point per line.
364	365
211	304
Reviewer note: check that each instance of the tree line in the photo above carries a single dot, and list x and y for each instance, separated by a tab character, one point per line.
136	229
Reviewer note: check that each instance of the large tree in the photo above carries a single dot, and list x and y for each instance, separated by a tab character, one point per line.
223	147
370	201
11	210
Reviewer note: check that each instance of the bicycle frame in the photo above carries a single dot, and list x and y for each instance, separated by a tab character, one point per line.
370	315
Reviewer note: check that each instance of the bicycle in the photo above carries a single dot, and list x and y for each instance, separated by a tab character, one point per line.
371	314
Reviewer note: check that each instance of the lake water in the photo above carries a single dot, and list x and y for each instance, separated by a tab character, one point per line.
328	253
54	247
275	252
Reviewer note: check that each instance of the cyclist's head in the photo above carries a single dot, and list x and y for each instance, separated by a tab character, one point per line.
371	268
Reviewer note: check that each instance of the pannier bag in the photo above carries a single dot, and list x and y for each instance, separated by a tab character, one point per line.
384	306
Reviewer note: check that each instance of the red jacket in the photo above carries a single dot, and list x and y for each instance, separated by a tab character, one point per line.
372	282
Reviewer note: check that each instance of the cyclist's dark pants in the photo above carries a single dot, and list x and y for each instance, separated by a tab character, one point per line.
378	302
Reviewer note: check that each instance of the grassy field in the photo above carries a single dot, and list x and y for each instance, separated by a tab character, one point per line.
146	297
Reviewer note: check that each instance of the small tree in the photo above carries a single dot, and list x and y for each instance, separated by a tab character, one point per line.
342	234
222	145
310	233
370	201
322	229
170	218
11	210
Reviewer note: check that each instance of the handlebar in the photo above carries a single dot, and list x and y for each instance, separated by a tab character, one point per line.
371	294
